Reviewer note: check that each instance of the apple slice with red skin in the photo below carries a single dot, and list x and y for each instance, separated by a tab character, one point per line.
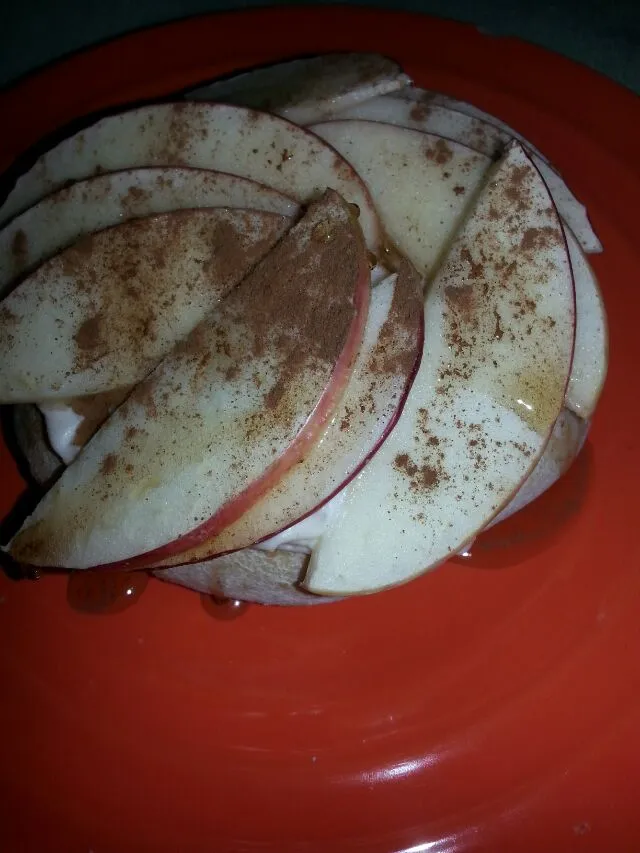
481	135
105	200
590	358
422	184
431	118
491	131
310	89
224	416
588	372
274	577
429	97
371	404
499	327
237	140
100	315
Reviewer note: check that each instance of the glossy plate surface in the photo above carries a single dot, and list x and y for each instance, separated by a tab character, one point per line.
492	705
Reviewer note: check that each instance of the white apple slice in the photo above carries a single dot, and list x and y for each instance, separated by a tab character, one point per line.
431	118
566	441
97	203
102	314
224	416
311	89
372	401
488	130
254	145
591	356
265	577
428	98
499	332
588	373
421	183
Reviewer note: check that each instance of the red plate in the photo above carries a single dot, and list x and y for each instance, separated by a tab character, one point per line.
474	709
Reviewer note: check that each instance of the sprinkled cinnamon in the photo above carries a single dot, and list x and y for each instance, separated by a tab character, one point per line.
440	152
423	477
405	315
419	112
133	282
108	464
299	308
94	410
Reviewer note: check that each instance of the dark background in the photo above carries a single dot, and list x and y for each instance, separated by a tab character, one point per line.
604	34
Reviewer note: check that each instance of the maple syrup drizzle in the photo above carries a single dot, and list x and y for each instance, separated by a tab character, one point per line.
516	539
224	609
103	592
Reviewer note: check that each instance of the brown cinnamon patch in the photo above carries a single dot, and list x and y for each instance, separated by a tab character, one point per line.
134	197
75	258
544	237
423	477
94	410
403	462
313	323
185	122
109	464
461	299
398	339
476	267
440	152
91	344
130	278
516	189
143	394
519	174
419	112
427	478
89	335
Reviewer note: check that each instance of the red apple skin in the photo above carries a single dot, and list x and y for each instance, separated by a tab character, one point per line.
236	505
234	508
199	550
410	292
315	425
194	556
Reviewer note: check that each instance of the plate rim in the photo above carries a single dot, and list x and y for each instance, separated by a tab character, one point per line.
73	62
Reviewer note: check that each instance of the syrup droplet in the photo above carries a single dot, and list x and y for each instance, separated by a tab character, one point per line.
322	233
224	609
105	591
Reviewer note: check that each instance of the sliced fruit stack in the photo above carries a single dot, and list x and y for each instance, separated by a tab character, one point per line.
287	342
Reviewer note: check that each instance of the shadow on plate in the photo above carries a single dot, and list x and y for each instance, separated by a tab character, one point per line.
538	526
